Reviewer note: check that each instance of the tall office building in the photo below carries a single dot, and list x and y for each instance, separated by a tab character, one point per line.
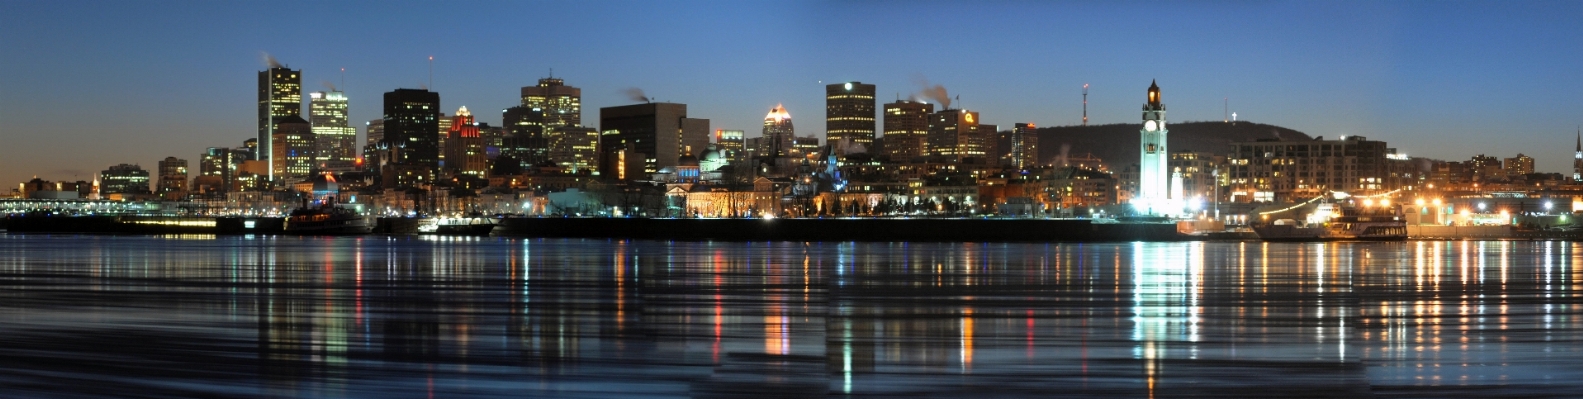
411	138
464	147
337	140
374	144
954	135
292	153
1023	148
778	133
644	138
172	176
526	139
849	116
906	129
730	143
279	95
224	164
575	148
562	105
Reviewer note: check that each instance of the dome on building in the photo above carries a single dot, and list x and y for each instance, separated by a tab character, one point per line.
324	184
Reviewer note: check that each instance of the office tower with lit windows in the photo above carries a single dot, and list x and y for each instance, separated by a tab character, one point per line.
954	135
575	148
778	133
411	138
526	139
849	116
640	139
279	95
293	152
906	130
464	147
730	142
337	140
562	105
172	176
1023	148
373	144
123	179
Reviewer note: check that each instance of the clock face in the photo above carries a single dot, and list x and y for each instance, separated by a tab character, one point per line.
1149	126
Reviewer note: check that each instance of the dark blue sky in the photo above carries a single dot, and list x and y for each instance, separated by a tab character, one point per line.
84	85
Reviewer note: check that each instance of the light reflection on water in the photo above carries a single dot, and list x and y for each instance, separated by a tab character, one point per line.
422	316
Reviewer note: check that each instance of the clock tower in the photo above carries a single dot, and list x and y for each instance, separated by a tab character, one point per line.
1153	173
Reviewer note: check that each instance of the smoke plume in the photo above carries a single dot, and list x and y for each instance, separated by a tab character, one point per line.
934	93
636	94
1061	160
328	84
270	60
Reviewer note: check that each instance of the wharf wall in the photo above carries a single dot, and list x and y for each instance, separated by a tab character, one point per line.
941	230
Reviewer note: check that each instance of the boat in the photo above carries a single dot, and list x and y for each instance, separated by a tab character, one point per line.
1340	222
463	226
327	219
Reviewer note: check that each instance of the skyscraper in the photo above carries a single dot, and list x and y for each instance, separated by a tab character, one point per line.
906	127
954	135
526	139
374	145
575	148
562	105
849	116
650	136
1024	146
279	95
292	151
411	137
337	141
172	176
730	142
464	147
1154	158
778	133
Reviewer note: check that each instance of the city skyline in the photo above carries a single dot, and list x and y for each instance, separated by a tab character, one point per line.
138	83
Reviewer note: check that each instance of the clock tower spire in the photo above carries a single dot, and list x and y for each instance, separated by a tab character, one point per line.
1154	177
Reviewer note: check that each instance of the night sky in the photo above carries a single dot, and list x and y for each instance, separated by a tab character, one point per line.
84	85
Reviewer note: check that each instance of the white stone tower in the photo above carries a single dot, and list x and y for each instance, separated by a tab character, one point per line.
1153	172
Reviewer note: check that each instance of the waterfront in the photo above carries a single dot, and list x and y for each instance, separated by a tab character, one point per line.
186	316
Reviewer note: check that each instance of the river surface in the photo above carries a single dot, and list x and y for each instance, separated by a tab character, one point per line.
416	317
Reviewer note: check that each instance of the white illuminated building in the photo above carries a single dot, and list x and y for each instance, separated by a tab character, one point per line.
1155	182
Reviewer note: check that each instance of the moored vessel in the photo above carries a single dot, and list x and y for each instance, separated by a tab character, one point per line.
1340	222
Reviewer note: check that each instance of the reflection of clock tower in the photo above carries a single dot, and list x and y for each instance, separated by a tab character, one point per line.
1153	174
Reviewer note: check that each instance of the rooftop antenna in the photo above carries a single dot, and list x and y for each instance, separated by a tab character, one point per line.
1226	117
1085	104
343	79
552	73
431	73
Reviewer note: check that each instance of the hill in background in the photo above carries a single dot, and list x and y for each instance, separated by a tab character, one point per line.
1117	144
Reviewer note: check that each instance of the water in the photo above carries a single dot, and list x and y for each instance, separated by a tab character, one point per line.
377	317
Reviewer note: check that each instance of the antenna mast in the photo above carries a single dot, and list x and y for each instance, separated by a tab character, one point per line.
1085	104
431	73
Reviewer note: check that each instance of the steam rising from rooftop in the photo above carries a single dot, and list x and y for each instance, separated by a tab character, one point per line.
936	93
269	60
637	94
328	84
